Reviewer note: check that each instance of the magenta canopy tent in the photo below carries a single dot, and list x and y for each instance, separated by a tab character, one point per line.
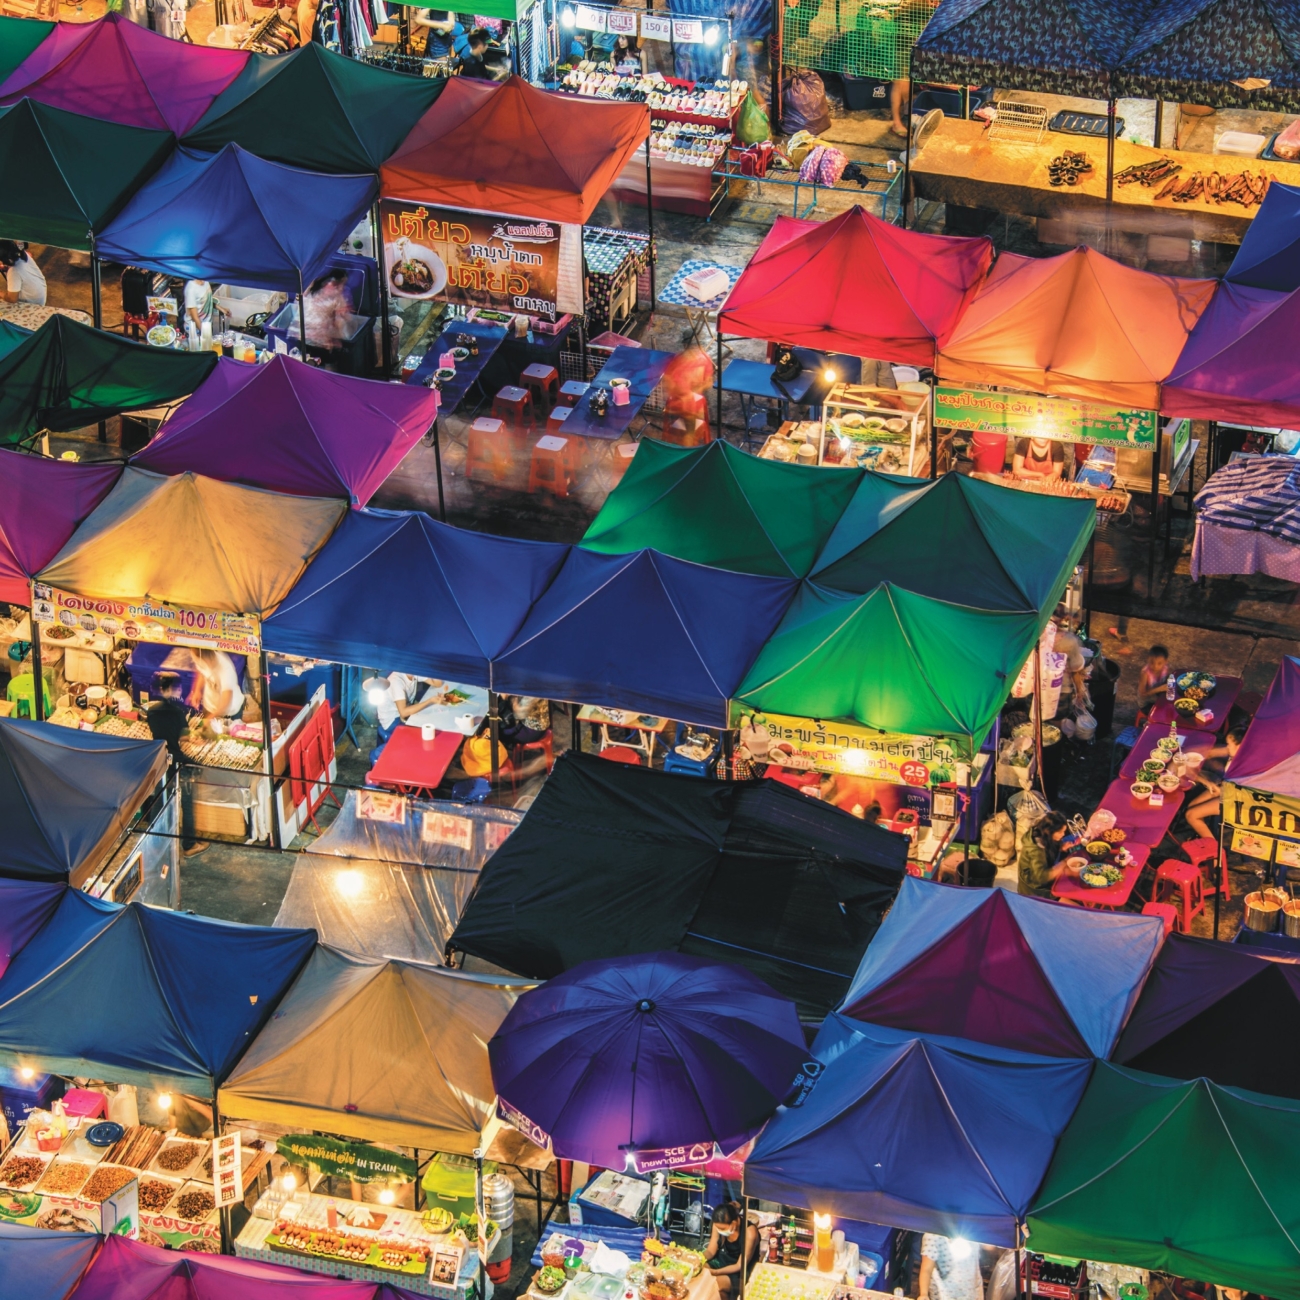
1269	757
1238	363
127	1270
118	71
41	504
293	428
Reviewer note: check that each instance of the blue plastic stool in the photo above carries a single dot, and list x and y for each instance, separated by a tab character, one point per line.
676	762
474	790
1124	741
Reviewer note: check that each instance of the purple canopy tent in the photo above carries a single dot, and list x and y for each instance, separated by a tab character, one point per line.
41	504
1269	757
38	1264
25	906
293	428
118	71
128	1270
1237	363
1219	1011
633	1055
1023	973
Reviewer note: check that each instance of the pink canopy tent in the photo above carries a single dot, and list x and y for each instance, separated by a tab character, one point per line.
1237	363
856	285
293	428
116	70
41	504
126	1270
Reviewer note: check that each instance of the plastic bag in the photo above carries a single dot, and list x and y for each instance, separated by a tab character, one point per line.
803	103
998	839
753	126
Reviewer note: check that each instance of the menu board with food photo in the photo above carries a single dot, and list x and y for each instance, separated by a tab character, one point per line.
477	259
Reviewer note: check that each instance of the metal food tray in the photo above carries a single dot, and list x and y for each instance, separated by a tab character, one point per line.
1089	124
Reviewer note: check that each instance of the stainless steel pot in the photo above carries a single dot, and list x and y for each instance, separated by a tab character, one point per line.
1256	917
1291	918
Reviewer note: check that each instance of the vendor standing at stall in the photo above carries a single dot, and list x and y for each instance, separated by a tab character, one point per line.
1037	458
442	29
24	281
199	303
168	720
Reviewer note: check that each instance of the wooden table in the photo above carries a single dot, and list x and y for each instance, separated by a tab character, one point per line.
1070	889
602	719
960	165
1220	705
412	765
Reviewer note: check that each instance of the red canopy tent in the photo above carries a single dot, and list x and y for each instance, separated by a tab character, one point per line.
856	285
514	149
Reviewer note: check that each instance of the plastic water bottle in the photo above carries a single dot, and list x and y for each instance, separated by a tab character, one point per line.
1171	692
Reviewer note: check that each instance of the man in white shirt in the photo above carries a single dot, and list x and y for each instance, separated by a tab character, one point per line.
23	279
199	302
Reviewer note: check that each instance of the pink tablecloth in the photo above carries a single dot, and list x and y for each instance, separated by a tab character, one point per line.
1219	704
1219	550
1145	824
1070	889
1200	742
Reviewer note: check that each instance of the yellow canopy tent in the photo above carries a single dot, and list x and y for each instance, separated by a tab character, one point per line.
190	540
380	1049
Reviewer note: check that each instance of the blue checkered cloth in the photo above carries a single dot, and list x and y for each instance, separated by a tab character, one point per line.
1261	494
674	294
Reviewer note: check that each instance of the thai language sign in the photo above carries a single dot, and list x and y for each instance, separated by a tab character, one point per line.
1062	419
1263	824
145	620
356	1160
476	259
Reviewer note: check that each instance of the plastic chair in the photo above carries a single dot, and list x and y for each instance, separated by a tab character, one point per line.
621	460
572	391
1183	881
1167	913
487	451
621	754
514	405
1202	853
543	382
552	467
555	421
1124	741
675	762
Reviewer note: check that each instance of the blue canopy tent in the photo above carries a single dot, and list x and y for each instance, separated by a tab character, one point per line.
930	1134
25	906
646	632
994	967
38	1264
399	591
67	797
142	995
1269	256
233	217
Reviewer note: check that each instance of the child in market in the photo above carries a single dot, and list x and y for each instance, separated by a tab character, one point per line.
1153	683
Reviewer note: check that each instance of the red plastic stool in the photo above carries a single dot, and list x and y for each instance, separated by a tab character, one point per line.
552	467
555	421
1202	853
1184	880
621	754
572	391
543	382
514	405
1167	913
487	453
683	431
695	405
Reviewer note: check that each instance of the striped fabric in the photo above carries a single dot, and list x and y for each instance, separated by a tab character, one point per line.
1261	494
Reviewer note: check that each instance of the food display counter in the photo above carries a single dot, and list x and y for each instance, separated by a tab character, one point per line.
584	1266
961	165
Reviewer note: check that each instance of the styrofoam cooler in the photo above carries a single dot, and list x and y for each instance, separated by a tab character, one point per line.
499	1201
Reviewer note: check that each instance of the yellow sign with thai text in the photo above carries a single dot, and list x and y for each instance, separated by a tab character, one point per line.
1259	818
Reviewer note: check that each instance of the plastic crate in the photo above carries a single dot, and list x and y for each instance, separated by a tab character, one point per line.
237	304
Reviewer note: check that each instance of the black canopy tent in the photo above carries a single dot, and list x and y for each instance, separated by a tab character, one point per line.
612	860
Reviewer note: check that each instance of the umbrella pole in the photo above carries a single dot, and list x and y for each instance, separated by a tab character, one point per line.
650	219
97	309
934	433
268	741
1160	123
494	730
970	800
744	1244
385	343
479	1200
1220	868
302	318
907	160
1110	151
717	334
437	462
38	677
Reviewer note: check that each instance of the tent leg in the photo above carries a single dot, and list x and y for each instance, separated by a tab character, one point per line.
744	1240
907	160
717	374
1155	515
1087	586
227	1236
1110	154
385	343
934	434
97	312
480	1206
437	464
267	741
650	221
1037	713
970	801
302	319
494	731
38	683
1218	884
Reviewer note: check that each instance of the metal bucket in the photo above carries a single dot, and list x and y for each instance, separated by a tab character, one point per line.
1291	918
1263	910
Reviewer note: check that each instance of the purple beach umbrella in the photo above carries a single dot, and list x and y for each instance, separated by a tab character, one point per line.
644	1053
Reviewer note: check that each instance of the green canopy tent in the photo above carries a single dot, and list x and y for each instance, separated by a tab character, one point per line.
67	375
67	176
1187	1177
715	505
18	38
316	109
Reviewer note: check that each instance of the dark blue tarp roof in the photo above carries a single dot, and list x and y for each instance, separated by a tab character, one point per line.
926	1133
25	906
401	592
67	796
233	217
142	995
1269	256
38	1264
644	632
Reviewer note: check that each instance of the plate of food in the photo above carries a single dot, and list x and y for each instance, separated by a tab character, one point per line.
1101	877
161	336
1168	782
1097	850
549	1280
1186	706
1114	835
1167	745
414	271
1077	863
1151	769
1141	789
461	354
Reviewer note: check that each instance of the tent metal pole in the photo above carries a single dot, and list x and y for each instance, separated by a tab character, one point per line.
1218	884
717	374
385	343
744	1242
302	318
907	159
1155	515
480	1206
267	741
650	218
1037	711
227	1235
934	433
38	682
494	730
437	463
970	800
1160	124
97	311
1110	153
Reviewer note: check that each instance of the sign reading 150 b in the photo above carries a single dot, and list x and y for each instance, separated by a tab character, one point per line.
475	258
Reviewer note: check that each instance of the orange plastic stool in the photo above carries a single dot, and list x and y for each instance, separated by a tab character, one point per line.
1202	852
514	405
572	392
684	431
555	421
1167	913
552	467
487	452
621	754
695	405
1183	880
543	382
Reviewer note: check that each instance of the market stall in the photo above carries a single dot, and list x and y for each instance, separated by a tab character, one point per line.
999	968
127	995
116	70
1191	1178
42	1265
293	428
115	587
1248	520
689	877
408	1077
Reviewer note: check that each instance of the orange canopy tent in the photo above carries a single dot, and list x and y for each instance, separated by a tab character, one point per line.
1078	325
856	285
512	148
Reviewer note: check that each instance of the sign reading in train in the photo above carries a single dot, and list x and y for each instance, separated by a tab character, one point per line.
476	259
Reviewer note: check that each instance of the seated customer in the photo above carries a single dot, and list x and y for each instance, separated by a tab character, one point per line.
1040	865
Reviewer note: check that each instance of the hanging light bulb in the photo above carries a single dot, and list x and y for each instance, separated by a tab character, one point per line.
387	1196
27	1073
711	35
567	18
829	375
289	1182
164	1100
960	1248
